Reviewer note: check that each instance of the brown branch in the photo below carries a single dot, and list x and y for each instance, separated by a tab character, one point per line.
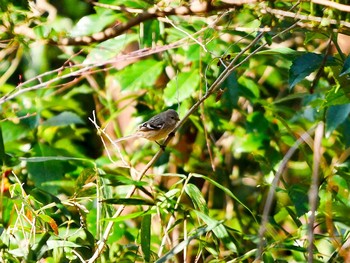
78	69
198	9
202	9
340	7
282	13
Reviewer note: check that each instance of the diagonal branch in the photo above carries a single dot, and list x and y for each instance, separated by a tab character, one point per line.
200	9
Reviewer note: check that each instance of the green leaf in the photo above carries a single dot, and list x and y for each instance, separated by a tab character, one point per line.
304	65
283	51
117	180
346	67
336	96
2	148
197	199
251	142
336	115
128	201
268	258
257	122
181	87
7	208
40	159
219	231
46	170
225	190
123	218
142	74
299	196
90	24
109	49
312	35
248	88
139	4
63	119
13	132
151	33
146	237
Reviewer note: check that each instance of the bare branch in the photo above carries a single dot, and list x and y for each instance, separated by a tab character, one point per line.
273	187
200	9
85	69
340	7
313	192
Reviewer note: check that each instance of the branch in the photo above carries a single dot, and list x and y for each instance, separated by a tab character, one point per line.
282	13
313	192
340	7
84	69
199	9
271	193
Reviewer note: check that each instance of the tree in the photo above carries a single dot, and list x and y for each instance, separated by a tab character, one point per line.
257	170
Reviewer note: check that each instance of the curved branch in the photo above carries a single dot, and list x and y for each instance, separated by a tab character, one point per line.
199	9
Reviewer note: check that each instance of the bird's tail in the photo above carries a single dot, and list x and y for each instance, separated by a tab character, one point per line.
126	138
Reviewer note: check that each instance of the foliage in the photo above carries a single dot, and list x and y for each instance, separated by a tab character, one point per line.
258	168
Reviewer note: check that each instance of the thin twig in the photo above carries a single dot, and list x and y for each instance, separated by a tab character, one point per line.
86	68
187	34
172	218
313	193
102	242
271	193
302	17
102	131
335	5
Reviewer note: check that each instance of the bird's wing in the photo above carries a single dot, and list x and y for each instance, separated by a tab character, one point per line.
155	123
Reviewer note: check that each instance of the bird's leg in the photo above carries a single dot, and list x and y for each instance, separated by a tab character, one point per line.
161	146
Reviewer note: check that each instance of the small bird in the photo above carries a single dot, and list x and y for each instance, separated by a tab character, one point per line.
156	128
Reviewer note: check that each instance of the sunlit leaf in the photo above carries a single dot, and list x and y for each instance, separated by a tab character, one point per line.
142	74
109	49
197	198
336	96
181	87
219	231
123	218
90	24
223	188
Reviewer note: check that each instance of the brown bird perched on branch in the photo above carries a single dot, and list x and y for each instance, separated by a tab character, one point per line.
156	128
